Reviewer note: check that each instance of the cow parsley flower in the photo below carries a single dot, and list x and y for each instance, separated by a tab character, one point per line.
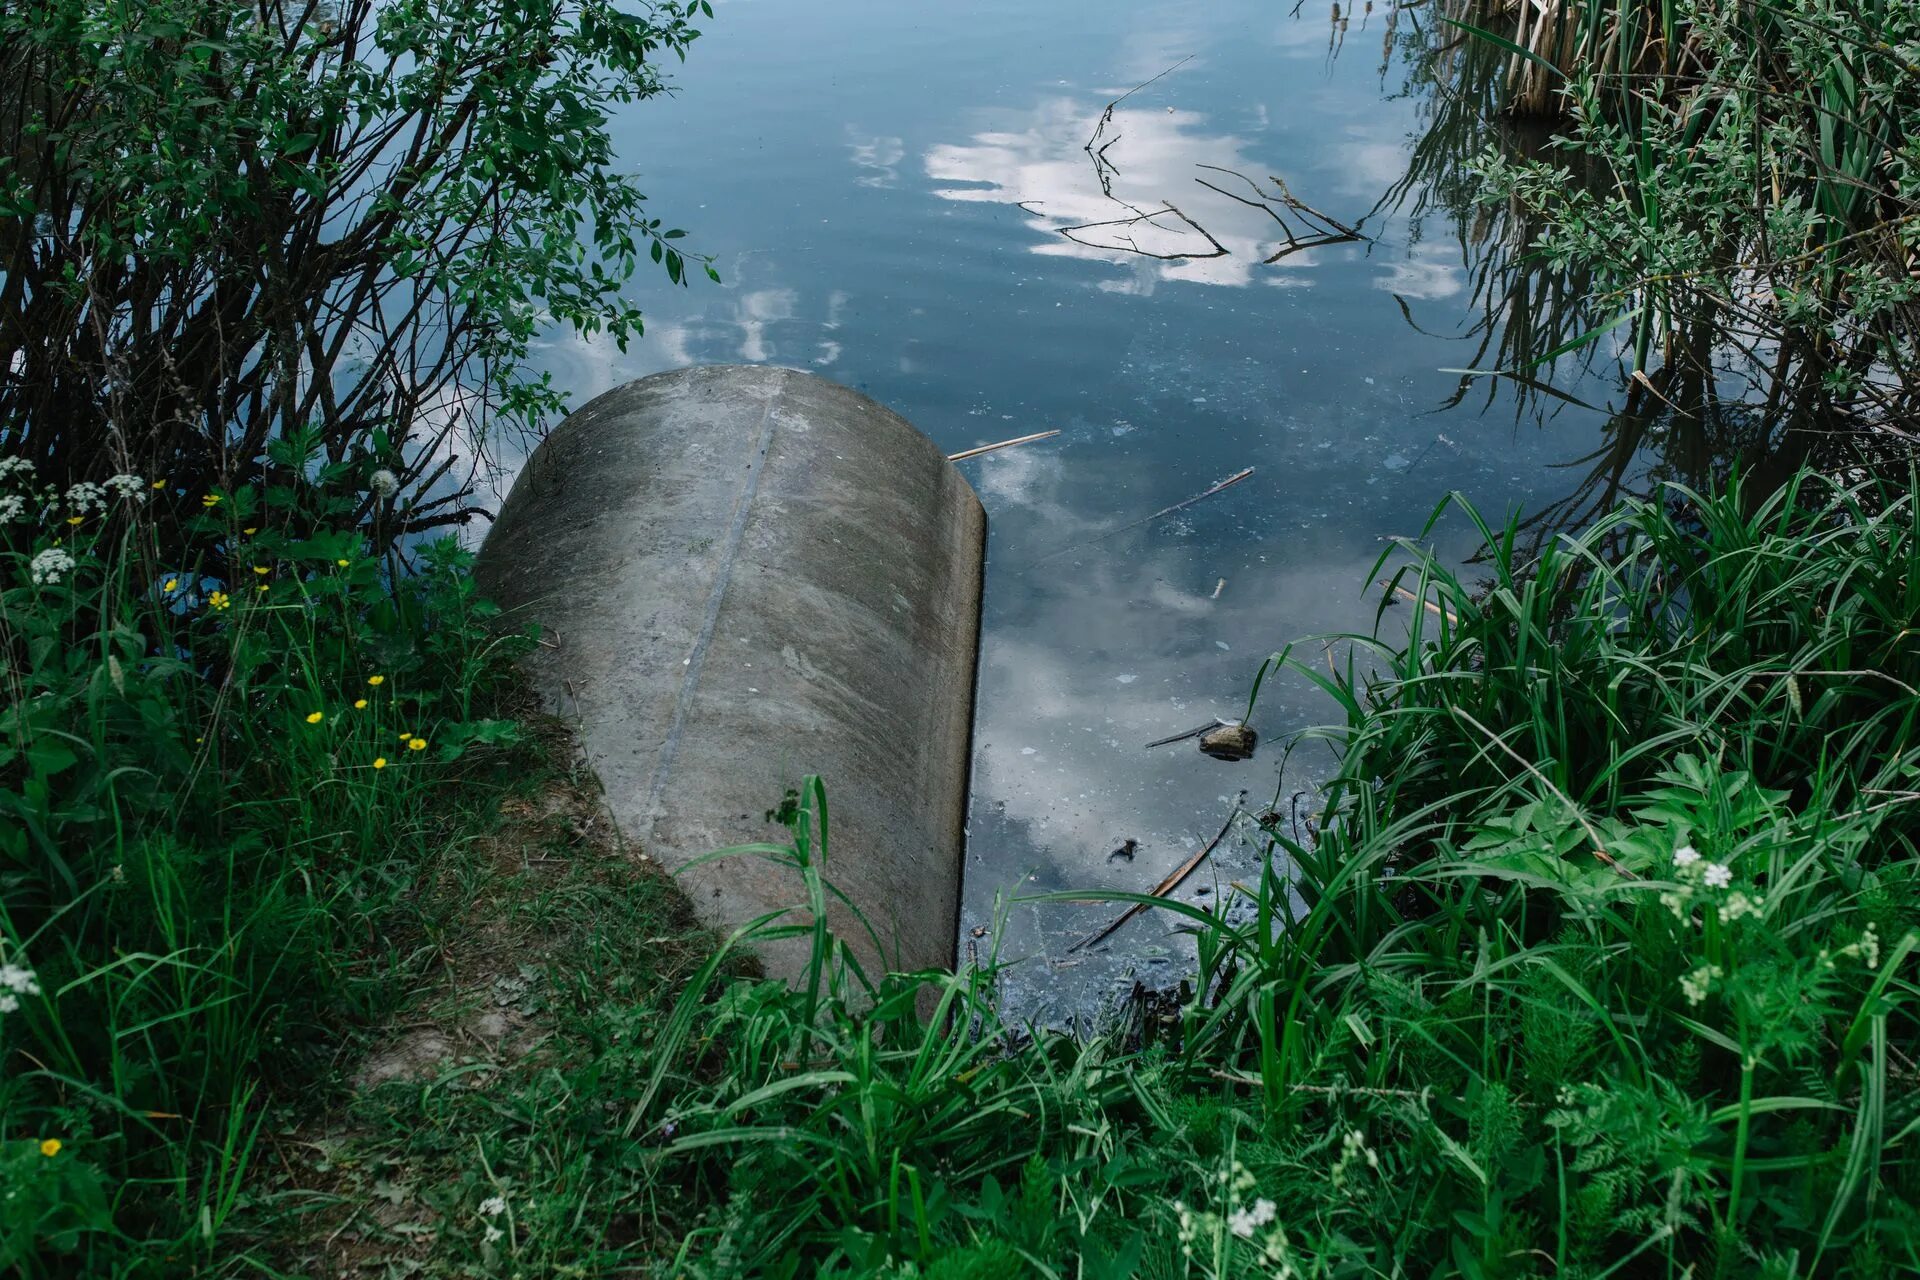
11	467
12	507
130	487
1718	876
1685	856
1697	985
1737	905
50	566
1243	1222
16	981
86	496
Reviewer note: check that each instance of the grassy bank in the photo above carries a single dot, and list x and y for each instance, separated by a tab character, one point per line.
1602	964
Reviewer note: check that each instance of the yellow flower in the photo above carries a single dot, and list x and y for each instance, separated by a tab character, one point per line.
359	704
160	484
260	568
405	734
376	680
173	584
264	587
219	600
379	762
341	563
50	1147
76	519
316	717
416	744
209	499
250	532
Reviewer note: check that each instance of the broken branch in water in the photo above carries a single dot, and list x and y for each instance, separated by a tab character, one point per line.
1228	483
964	454
1132	246
1328	231
1164	888
1103	167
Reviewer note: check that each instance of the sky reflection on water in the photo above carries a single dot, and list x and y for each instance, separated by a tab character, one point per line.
884	186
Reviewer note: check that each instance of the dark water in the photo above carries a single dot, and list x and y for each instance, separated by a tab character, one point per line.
883	186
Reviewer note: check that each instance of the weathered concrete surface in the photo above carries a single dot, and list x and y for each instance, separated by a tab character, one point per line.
751	574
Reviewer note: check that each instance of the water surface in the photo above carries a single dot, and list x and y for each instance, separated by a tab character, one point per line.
885	186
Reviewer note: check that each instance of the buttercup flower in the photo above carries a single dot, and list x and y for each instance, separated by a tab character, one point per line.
376	680
341	563
359	704
379	762
209	500
219	600
76	520
416	744
260	568
173	584
251	530
316	717
50	1147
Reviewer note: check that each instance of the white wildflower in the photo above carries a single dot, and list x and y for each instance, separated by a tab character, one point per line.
493	1206
11	467
86	496
19	979
12	507
384	483
128	486
1737	905
493	1235
1718	876
1695	986
1870	948
50	566
8	1002
1244	1222
1685	856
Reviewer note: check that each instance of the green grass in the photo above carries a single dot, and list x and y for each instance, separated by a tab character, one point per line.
1493	1022
227	775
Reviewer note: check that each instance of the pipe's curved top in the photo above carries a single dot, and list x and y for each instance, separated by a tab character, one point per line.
746	575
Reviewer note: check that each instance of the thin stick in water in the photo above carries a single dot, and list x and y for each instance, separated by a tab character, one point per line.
964	454
1165	887
1228	483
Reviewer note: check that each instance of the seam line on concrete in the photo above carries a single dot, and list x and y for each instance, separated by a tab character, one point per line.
697	658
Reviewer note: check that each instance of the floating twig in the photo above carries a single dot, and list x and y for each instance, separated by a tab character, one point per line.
1195	732
1432	608
1165	887
1228	483
964	454
1132	246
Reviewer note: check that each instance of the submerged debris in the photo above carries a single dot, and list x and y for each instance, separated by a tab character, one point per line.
1230	742
1125	852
